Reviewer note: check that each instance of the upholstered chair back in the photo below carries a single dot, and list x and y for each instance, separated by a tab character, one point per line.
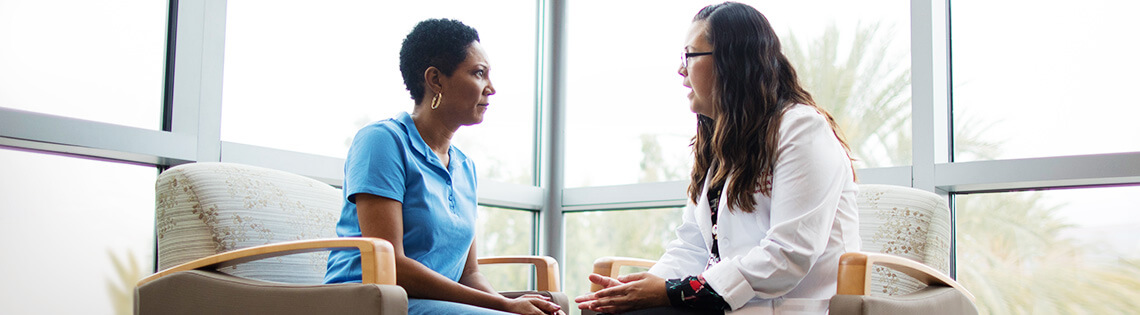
208	208
905	222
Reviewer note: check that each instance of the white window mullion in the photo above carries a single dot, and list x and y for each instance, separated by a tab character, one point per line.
929	77
553	111
199	52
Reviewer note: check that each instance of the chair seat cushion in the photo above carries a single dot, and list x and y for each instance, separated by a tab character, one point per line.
931	300
210	292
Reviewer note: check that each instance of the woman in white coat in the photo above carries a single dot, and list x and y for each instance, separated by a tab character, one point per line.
772	196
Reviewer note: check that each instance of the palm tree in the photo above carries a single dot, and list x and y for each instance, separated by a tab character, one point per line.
866	90
1010	252
1014	258
121	288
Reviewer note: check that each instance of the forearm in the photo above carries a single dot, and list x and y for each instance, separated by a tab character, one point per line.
477	281
419	281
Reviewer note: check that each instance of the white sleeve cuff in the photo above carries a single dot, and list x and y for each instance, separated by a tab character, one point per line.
727	280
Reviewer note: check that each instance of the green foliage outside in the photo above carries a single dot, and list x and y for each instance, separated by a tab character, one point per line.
121	287
1010	251
1013	256
629	233
864	88
505	232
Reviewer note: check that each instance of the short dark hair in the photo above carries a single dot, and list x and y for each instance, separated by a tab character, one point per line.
440	43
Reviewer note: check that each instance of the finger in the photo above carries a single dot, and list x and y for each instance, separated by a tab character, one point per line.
593	306
615	301
604	281
534	296
546	307
632	277
612	291
604	293
607	309
585	298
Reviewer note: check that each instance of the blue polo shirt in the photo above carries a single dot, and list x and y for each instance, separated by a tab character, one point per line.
388	158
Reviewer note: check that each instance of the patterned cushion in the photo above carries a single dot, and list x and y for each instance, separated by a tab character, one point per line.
208	208
906	222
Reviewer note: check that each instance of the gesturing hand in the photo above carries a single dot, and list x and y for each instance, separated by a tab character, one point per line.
533	304
626	293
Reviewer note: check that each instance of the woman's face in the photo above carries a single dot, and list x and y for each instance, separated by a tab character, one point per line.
465	92
698	72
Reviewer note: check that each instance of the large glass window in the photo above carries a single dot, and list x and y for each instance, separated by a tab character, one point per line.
91	60
592	235
623	86
1044	79
77	227
1058	251
506	232
306	77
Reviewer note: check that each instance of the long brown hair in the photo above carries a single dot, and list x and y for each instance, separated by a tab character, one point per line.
755	84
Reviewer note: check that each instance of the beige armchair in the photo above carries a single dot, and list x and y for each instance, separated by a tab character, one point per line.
238	239
902	268
905	259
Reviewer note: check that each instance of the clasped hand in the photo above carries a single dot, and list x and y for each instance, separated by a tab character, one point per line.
533	304
625	293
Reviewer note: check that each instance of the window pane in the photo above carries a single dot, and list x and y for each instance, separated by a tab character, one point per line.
88	225
623	87
591	235
1057	251
90	60
306	77
506	232
1047	79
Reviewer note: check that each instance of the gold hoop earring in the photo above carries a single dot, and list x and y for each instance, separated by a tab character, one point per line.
435	100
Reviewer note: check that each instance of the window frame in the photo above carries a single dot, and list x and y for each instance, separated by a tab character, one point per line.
192	110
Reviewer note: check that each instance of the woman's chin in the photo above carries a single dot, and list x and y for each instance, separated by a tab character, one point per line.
695	107
477	119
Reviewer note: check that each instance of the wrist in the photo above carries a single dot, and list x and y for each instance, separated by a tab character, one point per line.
482	299
501	303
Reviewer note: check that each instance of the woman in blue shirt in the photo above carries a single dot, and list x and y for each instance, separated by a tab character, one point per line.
405	183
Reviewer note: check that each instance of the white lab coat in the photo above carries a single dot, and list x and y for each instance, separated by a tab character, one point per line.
783	257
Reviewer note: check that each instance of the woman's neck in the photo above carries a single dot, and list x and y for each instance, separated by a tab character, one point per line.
434	131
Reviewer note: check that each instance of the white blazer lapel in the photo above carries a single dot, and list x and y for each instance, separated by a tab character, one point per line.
703	214
725	215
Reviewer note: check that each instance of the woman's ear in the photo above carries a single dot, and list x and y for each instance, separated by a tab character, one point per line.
432	81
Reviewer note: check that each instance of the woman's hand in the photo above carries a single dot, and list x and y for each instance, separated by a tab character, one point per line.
626	293
533	304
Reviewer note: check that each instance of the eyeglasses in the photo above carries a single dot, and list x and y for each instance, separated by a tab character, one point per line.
685	60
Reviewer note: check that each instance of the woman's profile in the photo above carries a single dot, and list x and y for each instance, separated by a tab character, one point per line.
772	191
404	182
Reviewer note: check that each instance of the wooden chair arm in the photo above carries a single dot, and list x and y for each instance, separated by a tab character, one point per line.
855	273
609	266
545	268
377	258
